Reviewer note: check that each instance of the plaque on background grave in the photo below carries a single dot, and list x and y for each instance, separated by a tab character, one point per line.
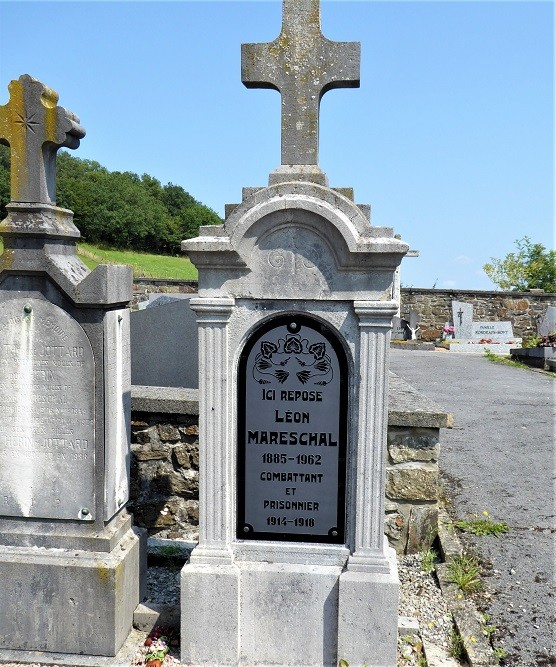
47	406
399	328
501	331
292	433
548	324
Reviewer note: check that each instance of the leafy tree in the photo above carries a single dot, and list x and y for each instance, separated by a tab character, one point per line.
176	199
532	267
120	209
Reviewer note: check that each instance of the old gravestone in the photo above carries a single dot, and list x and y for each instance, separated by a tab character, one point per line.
473	337
399	328
69	559
294	314
548	323
462	317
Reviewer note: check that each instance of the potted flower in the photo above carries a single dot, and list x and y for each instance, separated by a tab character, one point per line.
448	331
157	648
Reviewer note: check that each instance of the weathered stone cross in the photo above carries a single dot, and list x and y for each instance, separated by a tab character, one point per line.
35	128
302	65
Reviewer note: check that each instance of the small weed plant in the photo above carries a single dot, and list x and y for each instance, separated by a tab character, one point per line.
413	649
428	560
499	654
457	647
488	630
464	571
483	525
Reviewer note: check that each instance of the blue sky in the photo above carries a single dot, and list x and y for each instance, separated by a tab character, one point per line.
449	137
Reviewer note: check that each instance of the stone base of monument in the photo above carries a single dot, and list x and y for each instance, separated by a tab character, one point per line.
472	346
368	605
124	658
420	345
298	606
70	600
538	357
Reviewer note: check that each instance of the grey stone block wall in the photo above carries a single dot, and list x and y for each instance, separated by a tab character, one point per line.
165	474
165	464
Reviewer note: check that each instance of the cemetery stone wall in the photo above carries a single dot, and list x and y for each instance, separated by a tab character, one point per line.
524	310
434	306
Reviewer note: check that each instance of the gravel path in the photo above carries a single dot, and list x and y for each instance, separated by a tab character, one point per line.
500	458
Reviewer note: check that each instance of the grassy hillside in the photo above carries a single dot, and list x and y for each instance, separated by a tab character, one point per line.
144	264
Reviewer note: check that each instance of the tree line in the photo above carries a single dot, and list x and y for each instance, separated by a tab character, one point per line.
120	209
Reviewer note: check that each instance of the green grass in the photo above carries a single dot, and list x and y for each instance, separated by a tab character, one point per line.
145	265
430	557
482	527
457	647
464	572
506	361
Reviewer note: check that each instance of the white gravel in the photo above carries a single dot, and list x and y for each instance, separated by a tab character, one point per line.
421	598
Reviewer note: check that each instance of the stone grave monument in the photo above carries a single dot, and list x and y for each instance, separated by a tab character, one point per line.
400	329
548	323
474	337
69	559
462	317
405	328
294	314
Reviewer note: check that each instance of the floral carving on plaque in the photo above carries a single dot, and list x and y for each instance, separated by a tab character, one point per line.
293	356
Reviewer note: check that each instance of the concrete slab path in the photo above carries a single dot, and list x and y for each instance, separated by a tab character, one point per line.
500	457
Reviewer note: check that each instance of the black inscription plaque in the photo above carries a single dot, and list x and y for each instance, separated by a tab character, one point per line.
292	433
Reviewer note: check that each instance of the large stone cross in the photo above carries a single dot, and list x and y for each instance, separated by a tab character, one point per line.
35	128
302	65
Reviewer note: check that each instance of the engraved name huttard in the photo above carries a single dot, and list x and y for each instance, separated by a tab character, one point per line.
292	433
46	413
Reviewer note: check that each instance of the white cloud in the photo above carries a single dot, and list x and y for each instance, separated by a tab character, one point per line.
463	260
448	283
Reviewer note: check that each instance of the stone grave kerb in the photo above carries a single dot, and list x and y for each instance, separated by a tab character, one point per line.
66	397
302	65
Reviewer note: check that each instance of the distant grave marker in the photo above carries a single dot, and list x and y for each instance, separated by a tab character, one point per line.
472	337
462	317
548	324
